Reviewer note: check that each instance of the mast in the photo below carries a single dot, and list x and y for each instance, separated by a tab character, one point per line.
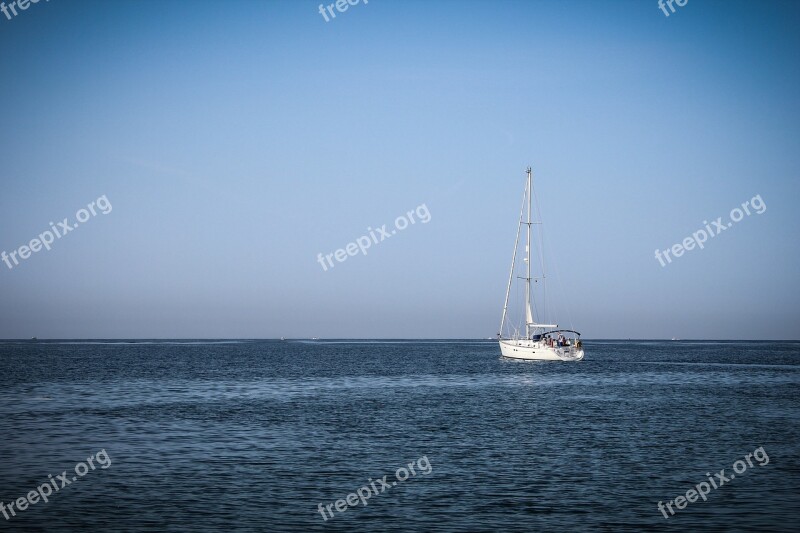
528	317
531	324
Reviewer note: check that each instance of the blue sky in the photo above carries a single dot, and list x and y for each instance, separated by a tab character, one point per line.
237	140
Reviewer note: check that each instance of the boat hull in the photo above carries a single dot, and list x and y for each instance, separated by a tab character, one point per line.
538	351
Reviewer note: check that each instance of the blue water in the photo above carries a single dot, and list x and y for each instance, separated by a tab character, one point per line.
253	435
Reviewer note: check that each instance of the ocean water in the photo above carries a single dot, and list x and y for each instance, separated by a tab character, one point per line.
255	435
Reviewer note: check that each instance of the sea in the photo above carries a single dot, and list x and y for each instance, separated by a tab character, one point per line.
397	435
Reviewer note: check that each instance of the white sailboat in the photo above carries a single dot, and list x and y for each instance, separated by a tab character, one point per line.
536	341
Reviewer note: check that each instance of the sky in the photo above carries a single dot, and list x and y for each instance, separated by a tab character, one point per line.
232	143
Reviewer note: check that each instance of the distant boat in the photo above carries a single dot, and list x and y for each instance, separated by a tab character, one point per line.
314	338
283	338
34	339
540	342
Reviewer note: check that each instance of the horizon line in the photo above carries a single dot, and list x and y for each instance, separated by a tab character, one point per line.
30	339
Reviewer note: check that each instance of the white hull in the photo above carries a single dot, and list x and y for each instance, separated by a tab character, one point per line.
538	351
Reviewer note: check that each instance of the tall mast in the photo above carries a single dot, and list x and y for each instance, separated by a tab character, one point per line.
530	323
528	317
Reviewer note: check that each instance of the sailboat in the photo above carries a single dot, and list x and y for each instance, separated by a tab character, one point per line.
537	341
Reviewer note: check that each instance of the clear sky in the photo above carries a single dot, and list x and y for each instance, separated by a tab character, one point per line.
237	140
